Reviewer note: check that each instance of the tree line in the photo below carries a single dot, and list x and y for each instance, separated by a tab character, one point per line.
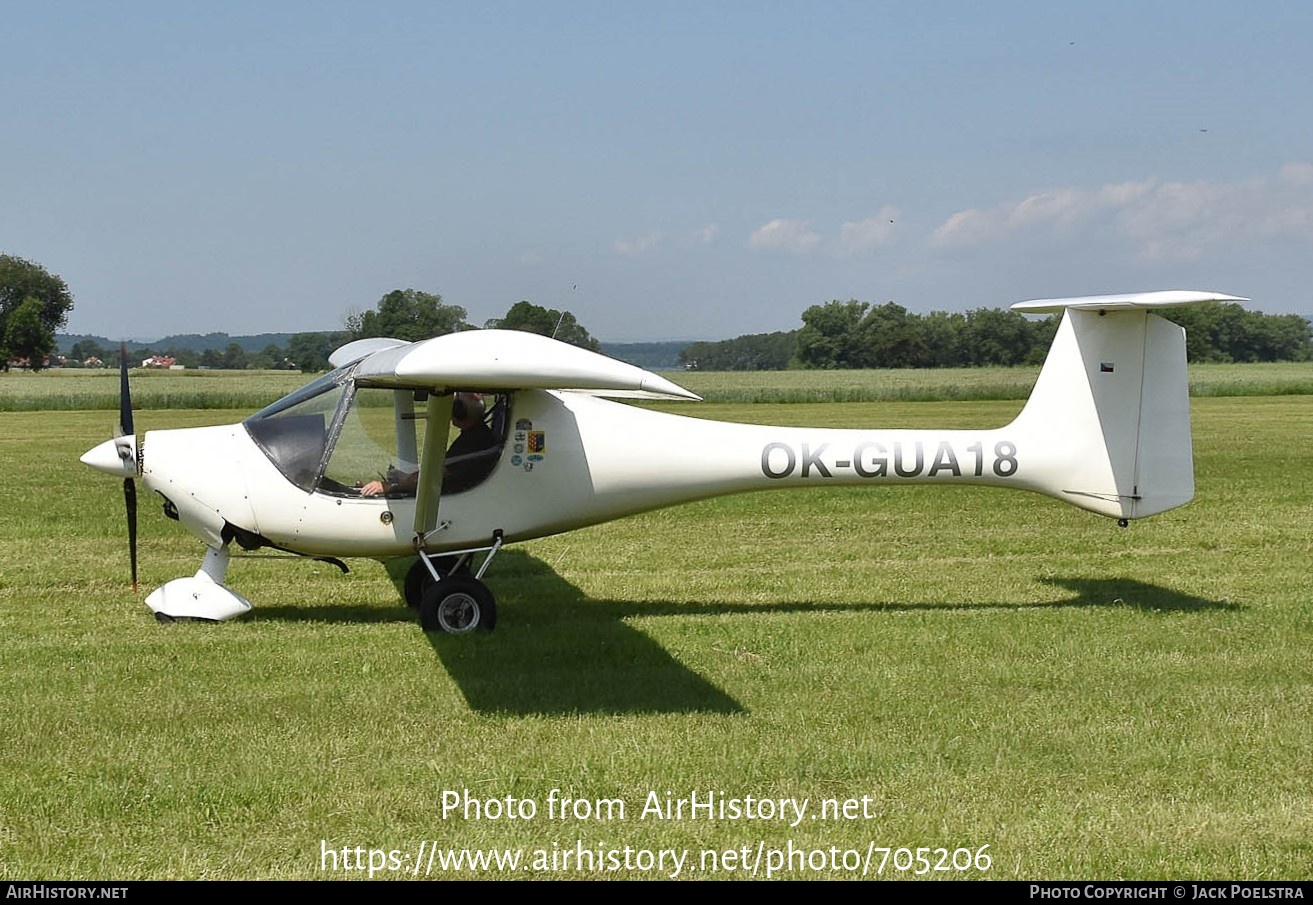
406	314
856	334
838	334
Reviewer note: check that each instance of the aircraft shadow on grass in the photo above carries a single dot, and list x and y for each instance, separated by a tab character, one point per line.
550	630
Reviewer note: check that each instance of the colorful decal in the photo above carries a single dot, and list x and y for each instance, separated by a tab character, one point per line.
516	460
523	424
519	448
537	441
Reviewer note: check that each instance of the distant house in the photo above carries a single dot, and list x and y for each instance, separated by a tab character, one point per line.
93	362
26	364
159	361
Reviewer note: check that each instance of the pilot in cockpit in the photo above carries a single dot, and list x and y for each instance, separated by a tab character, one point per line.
468	460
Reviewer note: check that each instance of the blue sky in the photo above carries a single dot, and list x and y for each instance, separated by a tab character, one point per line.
670	171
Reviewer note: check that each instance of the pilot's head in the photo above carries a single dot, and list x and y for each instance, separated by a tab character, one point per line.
466	410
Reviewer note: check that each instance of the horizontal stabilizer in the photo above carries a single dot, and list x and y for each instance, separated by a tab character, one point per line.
1162	299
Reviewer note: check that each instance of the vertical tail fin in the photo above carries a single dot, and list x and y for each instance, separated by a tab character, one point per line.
1109	416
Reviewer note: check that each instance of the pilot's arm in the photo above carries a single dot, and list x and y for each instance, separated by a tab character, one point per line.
398	482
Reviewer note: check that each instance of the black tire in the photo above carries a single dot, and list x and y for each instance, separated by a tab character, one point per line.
418	578
457	605
417	581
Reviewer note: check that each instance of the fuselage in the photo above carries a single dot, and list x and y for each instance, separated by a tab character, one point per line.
568	460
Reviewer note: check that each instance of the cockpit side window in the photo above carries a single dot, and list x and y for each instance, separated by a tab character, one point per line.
380	440
376	438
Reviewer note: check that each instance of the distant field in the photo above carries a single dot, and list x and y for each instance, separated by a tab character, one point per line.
79	389
975	669
75	389
908	385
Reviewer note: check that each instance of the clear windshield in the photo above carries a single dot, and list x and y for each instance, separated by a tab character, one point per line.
294	431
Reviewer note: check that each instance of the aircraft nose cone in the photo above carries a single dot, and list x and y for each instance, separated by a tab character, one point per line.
117	457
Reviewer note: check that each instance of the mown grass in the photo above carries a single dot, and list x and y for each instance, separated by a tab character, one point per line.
79	390
987	668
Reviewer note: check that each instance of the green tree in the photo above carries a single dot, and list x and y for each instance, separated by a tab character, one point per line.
183	356
994	336
20	281
1216	331
267	359
310	351
892	338
941	331
750	352
531	318
86	348
234	358
26	335
831	336
410	315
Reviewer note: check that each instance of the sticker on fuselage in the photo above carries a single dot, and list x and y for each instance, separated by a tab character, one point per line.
524	424
537	441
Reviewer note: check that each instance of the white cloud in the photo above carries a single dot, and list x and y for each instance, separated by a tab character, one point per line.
634	247
1298	173
784	235
1161	220
964	228
707	234
865	236
1179	220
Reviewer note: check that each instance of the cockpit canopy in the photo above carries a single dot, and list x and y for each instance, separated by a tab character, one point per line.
334	436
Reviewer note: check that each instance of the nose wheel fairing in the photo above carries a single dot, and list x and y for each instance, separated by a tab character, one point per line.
202	596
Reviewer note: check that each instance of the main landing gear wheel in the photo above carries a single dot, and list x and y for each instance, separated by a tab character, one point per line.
418	578
457	605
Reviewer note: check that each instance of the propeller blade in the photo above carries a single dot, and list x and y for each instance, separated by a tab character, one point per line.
129	485
130	503
125	397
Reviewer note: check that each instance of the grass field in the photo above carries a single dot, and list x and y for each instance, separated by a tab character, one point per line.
983	668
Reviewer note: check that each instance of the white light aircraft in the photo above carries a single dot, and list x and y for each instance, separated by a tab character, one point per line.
1106	428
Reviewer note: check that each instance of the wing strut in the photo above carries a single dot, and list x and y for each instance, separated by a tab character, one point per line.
428	491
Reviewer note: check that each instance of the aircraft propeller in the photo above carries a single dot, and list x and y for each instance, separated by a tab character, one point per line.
125	445
120	456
